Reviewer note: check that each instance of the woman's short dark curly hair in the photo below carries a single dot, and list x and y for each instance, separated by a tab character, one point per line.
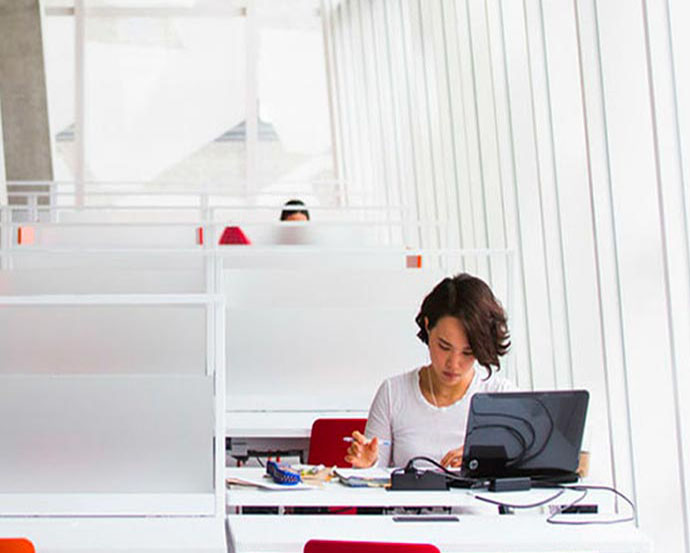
470	300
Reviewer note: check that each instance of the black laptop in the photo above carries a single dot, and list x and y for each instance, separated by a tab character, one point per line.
535	434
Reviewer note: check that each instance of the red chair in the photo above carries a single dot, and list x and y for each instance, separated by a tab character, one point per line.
326	445
16	545
233	235
332	546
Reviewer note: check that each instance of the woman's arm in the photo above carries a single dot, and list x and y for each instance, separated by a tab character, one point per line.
366	451
379	423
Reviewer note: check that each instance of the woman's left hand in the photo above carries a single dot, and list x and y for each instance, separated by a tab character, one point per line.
452	459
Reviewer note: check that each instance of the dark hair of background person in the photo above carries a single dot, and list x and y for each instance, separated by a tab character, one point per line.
470	300
285	214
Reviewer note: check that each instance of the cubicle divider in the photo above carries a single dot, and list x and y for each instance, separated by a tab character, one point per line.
309	318
115	395
317	330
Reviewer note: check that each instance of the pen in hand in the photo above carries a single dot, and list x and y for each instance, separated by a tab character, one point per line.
381	442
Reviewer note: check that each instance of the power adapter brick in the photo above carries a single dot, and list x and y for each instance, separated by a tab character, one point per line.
510	484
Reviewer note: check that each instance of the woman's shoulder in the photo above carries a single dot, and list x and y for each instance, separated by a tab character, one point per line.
494	383
402	382
403	379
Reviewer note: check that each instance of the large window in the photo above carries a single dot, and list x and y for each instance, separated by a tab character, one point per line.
294	131
213	92
58	41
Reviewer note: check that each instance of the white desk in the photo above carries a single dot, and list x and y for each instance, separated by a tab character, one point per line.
119	534
476	534
336	494
279	424
250	431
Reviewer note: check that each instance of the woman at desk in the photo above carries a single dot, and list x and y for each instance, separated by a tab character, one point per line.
294	210
424	411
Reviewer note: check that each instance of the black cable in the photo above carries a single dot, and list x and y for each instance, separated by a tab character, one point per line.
577	487
523	506
473	482
523	420
536	484
410	465
411	462
515	433
522	457
548	436
585	489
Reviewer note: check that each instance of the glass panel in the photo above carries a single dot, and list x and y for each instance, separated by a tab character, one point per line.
294	128
111	434
343	346
58	36
126	339
59	62
164	91
90	280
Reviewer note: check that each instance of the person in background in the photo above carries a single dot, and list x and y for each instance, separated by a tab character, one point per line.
424	411
293	213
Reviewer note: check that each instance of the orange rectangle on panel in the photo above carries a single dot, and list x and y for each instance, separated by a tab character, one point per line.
413	261
25	235
200	235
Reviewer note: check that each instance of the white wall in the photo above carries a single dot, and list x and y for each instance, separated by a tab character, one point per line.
559	129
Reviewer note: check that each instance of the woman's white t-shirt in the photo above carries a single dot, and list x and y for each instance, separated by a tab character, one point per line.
401	414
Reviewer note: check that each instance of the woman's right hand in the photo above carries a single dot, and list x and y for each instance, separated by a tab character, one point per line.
362	453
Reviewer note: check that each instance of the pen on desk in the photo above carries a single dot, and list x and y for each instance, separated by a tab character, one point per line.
381	442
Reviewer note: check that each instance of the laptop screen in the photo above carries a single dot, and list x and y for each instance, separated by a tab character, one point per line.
535	434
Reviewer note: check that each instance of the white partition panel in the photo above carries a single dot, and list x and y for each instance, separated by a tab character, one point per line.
109	235
106	445
110	404
102	339
79	258
314	258
320	339
332	235
93	280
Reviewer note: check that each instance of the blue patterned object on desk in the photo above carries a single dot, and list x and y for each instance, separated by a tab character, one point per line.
282	474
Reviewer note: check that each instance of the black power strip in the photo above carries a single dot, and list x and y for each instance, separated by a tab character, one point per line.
413	479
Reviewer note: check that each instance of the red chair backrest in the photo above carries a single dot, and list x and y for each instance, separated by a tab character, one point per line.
326	445
233	235
16	545
329	546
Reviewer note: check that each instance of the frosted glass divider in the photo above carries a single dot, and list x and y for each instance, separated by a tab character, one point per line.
325	292
137	504
212	301
113	299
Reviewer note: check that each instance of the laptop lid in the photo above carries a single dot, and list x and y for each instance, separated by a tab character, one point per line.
536	434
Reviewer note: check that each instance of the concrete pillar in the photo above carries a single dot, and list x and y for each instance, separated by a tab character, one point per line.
23	90
3	180
25	126
4	233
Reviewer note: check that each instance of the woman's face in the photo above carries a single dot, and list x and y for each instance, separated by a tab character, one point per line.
296	216
452	360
